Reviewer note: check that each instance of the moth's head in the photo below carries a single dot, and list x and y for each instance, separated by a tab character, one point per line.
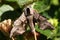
27	11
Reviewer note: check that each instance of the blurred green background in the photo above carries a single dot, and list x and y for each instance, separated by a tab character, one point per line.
12	9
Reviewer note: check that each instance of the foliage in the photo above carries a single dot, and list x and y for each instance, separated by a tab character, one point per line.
48	8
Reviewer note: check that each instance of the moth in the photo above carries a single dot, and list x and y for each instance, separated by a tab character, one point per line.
30	17
33	17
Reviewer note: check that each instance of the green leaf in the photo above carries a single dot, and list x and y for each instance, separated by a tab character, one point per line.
11	0
55	2
53	21
56	38
5	8
46	32
21	3
41	6
45	14
24	2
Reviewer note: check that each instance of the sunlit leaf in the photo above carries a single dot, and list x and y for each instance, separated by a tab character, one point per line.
56	38
54	22
55	2
5	8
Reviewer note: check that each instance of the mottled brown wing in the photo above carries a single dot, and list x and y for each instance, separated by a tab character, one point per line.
19	26
42	21
45	25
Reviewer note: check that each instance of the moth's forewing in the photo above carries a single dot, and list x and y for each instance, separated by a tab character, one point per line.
16	30
19	26
46	25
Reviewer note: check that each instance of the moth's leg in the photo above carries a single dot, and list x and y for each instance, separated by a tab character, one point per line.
13	38
31	24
